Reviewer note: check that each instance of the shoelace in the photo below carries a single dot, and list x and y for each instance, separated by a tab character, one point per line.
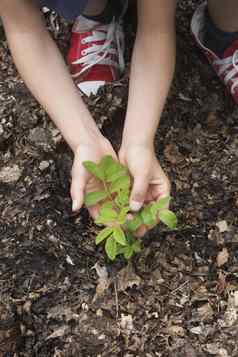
102	54
230	74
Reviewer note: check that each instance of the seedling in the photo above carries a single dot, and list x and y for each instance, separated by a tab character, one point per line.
119	232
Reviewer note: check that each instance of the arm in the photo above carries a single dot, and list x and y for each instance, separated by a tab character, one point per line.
152	69
43	69
45	73
151	75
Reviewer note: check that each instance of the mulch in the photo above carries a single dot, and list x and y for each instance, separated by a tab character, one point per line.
60	296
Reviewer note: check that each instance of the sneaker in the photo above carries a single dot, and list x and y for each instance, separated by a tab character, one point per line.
226	67
96	54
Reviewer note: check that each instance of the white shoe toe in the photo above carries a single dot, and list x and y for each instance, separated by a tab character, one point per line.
90	87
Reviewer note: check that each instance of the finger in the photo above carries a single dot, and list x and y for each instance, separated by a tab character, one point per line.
79	182
149	196
94	211
161	188
139	191
141	231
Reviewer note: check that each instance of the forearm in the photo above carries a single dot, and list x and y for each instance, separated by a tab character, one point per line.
151	75
45	73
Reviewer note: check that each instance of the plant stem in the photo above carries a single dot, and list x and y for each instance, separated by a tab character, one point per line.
110	196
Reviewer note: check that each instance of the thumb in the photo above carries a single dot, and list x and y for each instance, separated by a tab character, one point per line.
139	191
79	181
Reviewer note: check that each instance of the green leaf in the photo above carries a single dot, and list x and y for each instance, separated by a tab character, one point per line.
111	248
120	249
107	163
119	173
94	169
122	183
119	236
108	213
128	252
163	203
135	223
168	218
93	198
112	168
107	205
136	246
122	215
129	237
122	198
147	216
105	233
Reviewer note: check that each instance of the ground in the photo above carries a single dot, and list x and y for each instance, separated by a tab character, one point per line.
59	295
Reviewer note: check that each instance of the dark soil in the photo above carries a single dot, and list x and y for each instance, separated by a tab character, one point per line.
179	298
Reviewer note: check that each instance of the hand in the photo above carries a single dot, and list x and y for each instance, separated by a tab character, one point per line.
150	181
82	180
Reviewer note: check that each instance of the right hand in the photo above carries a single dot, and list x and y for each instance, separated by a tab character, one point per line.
82	180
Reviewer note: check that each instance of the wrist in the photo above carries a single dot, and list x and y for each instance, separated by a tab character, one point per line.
137	143
88	138
136	150
80	130
134	137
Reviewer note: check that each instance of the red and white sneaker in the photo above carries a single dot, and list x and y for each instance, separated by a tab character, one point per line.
226	67
96	54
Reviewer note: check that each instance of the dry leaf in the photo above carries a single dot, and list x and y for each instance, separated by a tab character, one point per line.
176	331
235	294
221	283
205	312
127	278
58	333
222	257
197	330
231	314
69	260
172	154
126	323
189	351
222	226
61	312
103	282
211	120
223	353
212	348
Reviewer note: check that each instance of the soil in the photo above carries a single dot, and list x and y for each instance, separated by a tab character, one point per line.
60	297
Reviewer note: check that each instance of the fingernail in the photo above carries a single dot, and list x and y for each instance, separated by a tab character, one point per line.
74	205
135	206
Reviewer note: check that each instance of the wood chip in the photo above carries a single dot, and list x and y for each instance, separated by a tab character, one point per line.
176	331
222	226
222	257
60	332
10	174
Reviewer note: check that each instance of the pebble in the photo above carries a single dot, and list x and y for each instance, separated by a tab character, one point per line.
99	313
44	165
10	174
39	137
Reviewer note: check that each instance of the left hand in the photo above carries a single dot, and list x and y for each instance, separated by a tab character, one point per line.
150	181
82	181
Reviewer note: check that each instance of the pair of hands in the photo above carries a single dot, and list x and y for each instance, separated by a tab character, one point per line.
150	183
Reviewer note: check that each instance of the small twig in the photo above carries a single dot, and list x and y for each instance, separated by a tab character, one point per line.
106	188
87	269
180	287
30	282
116	298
